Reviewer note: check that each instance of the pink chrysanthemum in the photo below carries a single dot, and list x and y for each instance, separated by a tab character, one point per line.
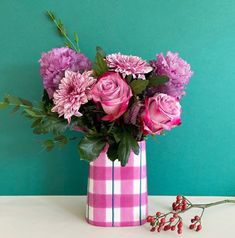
178	71
128	65
54	63
74	90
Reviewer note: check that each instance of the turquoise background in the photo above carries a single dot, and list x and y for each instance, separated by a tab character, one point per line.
197	158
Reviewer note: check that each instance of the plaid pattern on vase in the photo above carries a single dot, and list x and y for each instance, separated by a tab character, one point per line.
117	196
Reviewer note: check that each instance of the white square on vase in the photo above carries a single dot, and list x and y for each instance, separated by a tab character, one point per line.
108	214
117	187
109	186
143	185
136	160
143	212
136	186
91	213
117	214
91	185
136	213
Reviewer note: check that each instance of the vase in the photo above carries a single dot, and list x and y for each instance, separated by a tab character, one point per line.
117	196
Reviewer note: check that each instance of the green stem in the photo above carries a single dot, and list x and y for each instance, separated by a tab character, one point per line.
65	35
206	205
111	127
51	15
24	106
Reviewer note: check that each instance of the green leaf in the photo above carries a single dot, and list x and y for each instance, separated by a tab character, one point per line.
138	86
128	79
36	123
31	113
157	80
100	65
100	51
113	152
68	44
62	139
48	144
26	102
12	99
61	28
51	15
3	105
91	146
75	37
15	109
127	144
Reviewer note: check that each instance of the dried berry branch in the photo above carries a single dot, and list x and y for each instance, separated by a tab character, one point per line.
173	220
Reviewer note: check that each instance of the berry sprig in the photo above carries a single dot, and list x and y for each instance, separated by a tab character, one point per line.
174	222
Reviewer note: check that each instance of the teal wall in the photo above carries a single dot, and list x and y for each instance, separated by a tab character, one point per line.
197	158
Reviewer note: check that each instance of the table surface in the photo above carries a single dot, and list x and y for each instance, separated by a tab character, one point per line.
63	217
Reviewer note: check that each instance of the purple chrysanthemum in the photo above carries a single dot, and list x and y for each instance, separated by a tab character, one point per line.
128	65
54	63
176	69
74	90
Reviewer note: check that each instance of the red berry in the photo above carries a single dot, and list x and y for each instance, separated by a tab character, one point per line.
184	207
167	227
179	198
159	229
192	226
158	214
175	215
153	229
197	218
173	228
163	220
180	224
193	220
173	205
172	219
149	218
199	227
161	224
179	207
184	202
179	231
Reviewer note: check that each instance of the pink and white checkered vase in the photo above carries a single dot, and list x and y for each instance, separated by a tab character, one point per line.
117	196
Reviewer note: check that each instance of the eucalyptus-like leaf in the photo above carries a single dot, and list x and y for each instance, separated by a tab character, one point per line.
48	145
12	99
3	105
25	102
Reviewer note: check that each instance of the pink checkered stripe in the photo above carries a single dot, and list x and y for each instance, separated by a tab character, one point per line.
117	196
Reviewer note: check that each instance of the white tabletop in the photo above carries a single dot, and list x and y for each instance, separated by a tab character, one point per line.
63	217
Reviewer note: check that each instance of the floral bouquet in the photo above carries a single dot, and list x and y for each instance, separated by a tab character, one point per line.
116	101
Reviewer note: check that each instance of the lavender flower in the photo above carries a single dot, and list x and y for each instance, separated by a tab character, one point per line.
128	65
176	69
54	63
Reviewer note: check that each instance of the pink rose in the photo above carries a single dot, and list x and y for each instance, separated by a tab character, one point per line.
113	93
161	112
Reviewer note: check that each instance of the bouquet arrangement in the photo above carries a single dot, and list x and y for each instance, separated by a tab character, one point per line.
117	100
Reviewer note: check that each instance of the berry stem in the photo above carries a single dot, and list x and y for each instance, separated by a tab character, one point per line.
207	205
